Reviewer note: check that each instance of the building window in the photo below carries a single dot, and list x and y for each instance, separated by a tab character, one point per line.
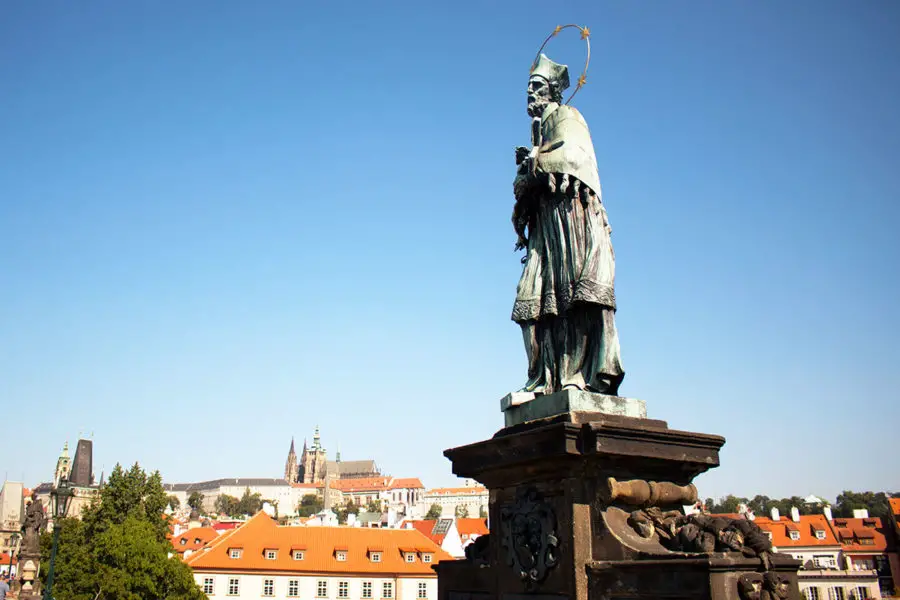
426	558
862	593
423	590
836	593
268	587
234	586
322	589
293	588
376	557
367	589
410	557
811	593
341	555
795	535
271	554
182	541
209	585
343	589
234	552
824	561
298	554
820	534
387	590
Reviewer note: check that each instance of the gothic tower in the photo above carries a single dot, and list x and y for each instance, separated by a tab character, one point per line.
313	461
291	469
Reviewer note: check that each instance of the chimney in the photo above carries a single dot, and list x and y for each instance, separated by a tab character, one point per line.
860	513
795	514
827	512
775	514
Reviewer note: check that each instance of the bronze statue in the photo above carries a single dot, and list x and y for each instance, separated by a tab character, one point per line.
565	301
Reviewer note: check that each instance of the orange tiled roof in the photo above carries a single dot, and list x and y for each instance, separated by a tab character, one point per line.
472	527
895	505
465	491
852	532
407	482
426	528
361	484
261	532
193	539
807	528
4	559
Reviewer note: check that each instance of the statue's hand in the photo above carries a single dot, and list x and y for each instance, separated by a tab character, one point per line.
521	243
521	154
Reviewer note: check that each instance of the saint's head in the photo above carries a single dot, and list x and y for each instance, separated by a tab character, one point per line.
546	84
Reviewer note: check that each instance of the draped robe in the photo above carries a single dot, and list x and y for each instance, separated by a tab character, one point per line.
565	300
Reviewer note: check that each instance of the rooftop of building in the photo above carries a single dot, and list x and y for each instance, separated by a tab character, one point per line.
193	539
227	481
808	531
321	548
865	535
456	491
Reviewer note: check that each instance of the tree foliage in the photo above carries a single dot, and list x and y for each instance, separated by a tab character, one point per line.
462	511
350	508
119	550
482	512
875	502
309	505
434	512
227	505
174	502
195	501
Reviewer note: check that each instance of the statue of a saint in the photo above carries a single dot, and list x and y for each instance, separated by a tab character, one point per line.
565	302
32	527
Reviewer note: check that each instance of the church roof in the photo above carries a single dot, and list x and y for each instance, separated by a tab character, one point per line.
351	467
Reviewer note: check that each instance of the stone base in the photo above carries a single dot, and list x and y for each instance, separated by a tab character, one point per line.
559	527
522	407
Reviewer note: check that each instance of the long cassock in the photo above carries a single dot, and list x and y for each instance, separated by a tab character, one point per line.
565	301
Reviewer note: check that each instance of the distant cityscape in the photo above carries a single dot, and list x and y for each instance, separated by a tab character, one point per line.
334	528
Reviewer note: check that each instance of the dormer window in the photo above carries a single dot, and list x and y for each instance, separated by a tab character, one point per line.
820	534
235	552
270	554
426	558
298	554
341	555
196	540
769	535
183	541
410	557
375	557
795	535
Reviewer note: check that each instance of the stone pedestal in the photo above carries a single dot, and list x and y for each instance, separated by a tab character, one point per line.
561	491
29	567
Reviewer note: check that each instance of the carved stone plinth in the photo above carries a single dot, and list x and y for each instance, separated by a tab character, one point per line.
563	492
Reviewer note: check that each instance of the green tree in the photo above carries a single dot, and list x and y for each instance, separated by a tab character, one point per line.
434	512
119	550
310	504
195	501
249	504
462	511
482	512
228	505
174	502
350	508
375	506
875	502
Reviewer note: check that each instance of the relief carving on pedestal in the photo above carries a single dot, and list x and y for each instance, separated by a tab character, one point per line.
528	530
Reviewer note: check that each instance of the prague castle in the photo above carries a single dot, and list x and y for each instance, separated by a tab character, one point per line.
313	465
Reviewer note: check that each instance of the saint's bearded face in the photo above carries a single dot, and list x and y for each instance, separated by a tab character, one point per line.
539	96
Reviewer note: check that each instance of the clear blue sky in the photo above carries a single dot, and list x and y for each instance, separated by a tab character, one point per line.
222	223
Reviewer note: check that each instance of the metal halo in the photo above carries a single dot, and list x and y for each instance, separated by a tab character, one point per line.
586	36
